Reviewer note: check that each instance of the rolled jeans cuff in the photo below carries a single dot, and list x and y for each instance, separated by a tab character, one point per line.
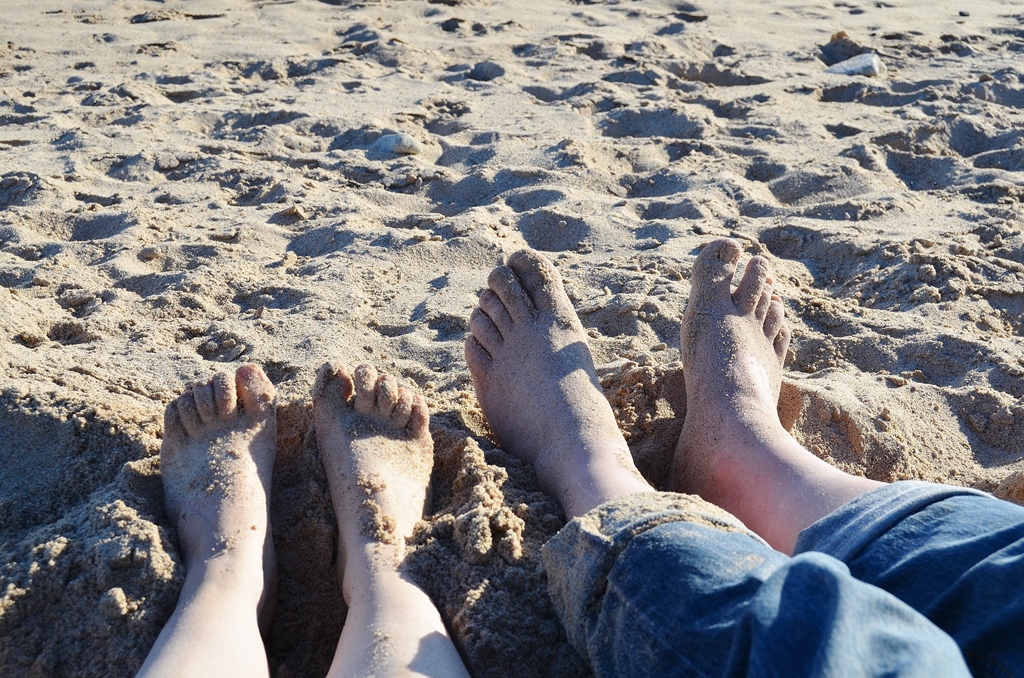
580	556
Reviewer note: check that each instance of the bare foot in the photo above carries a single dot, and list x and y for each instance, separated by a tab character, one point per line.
535	380
733	450
216	461
375	444
733	346
376	448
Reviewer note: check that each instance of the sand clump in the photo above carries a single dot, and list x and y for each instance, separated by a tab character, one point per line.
284	183
478	556
90	573
376	523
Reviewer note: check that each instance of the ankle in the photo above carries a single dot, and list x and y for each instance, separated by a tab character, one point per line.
591	477
239	579
744	459
242	550
368	566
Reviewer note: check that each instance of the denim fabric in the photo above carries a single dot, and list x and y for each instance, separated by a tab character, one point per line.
664	584
955	555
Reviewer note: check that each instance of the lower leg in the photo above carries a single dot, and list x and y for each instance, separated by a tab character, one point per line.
216	462
213	631
376	448
392	626
733	450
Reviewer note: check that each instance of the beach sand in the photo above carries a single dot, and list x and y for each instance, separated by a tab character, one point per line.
187	186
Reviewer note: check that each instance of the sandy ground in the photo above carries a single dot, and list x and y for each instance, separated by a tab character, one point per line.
185	186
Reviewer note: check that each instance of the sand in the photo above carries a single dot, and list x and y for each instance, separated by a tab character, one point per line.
184	187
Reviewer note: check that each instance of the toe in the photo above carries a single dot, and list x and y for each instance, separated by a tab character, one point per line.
504	283
387	395
255	392
781	343
206	405
333	385
403	408
189	415
483	329
365	379
477	357
495	310
175	435
419	418
751	285
764	301
541	280
774	319
225	396
712	273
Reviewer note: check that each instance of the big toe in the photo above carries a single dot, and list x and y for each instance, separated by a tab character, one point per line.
541	281
365	380
333	386
506	285
175	435
255	392
713	271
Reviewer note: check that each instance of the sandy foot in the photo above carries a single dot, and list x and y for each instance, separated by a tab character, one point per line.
733	346
376	448
733	450
535	380
216	461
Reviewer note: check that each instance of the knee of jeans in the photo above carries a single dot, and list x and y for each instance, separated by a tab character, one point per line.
808	580
817	564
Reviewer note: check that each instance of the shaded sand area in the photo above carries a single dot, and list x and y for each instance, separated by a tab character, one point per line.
185	186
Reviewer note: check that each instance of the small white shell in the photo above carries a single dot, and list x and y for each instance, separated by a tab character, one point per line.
403	143
862	64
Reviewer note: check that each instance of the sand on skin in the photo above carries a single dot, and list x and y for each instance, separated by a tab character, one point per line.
183	189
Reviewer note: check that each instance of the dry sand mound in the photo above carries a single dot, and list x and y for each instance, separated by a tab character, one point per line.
184	188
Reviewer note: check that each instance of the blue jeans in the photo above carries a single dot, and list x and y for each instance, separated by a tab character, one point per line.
907	579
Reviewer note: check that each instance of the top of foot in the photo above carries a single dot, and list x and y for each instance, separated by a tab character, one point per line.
216	461
739	333
534	376
733	345
374	441
733	451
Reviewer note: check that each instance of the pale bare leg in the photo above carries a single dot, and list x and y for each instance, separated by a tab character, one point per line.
733	450
216	461
534	377
378	454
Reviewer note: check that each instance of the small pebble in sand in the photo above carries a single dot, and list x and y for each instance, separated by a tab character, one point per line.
295	212
228	235
402	143
486	70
